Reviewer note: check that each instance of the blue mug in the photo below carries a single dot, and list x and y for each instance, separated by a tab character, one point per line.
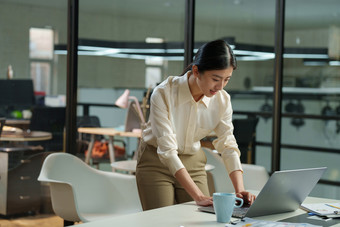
224	204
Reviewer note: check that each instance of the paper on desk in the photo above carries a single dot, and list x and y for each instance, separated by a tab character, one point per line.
257	223
323	209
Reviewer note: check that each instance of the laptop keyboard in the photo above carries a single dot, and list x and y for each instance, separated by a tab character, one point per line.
240	212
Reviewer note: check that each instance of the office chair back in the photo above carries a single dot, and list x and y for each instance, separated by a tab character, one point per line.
82	193
88	122
245	135
254	176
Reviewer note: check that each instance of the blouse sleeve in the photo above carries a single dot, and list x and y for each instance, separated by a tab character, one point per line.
160	117
226	143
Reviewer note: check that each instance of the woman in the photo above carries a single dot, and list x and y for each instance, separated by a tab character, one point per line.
185	109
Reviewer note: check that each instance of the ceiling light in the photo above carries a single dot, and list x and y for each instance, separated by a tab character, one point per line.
174	51
154	40
334	63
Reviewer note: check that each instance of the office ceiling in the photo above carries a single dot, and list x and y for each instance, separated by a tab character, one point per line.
242	13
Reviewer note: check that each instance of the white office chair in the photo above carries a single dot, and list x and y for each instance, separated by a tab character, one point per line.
82	193
255	176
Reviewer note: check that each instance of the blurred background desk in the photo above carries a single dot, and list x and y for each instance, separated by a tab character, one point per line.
25	136
111	133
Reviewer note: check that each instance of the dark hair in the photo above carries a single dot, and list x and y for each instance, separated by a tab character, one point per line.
213	55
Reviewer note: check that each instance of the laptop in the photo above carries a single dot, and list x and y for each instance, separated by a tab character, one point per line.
283	192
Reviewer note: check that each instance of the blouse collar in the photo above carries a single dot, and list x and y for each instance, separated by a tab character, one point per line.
185	94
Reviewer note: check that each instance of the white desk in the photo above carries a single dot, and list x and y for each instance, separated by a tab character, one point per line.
185	215
130	166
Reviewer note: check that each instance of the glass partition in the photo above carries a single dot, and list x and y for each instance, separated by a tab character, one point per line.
119	39
126	45
249	28
311	90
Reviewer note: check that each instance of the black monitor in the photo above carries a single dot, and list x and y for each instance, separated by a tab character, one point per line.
16	94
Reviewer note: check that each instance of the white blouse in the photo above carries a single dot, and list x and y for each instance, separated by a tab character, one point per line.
177	123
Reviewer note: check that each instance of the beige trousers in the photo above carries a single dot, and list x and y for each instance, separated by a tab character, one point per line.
157	187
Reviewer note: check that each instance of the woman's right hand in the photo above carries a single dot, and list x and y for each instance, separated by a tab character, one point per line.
191	188
204	201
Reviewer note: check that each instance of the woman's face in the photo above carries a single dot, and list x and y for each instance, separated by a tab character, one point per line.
211	81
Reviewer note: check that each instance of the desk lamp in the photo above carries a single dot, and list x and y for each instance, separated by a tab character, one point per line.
123	102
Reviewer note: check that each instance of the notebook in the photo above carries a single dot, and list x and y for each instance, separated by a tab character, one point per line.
284	191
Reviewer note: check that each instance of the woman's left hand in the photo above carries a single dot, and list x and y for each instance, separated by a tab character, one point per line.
248	198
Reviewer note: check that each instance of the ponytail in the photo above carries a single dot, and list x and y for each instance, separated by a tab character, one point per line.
213	55
188	68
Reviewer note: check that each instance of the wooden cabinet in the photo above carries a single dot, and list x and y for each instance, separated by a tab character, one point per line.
20	192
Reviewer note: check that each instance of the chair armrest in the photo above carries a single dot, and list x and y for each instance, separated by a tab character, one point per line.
64	201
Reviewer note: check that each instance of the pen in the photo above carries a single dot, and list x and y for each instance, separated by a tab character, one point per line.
333	206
